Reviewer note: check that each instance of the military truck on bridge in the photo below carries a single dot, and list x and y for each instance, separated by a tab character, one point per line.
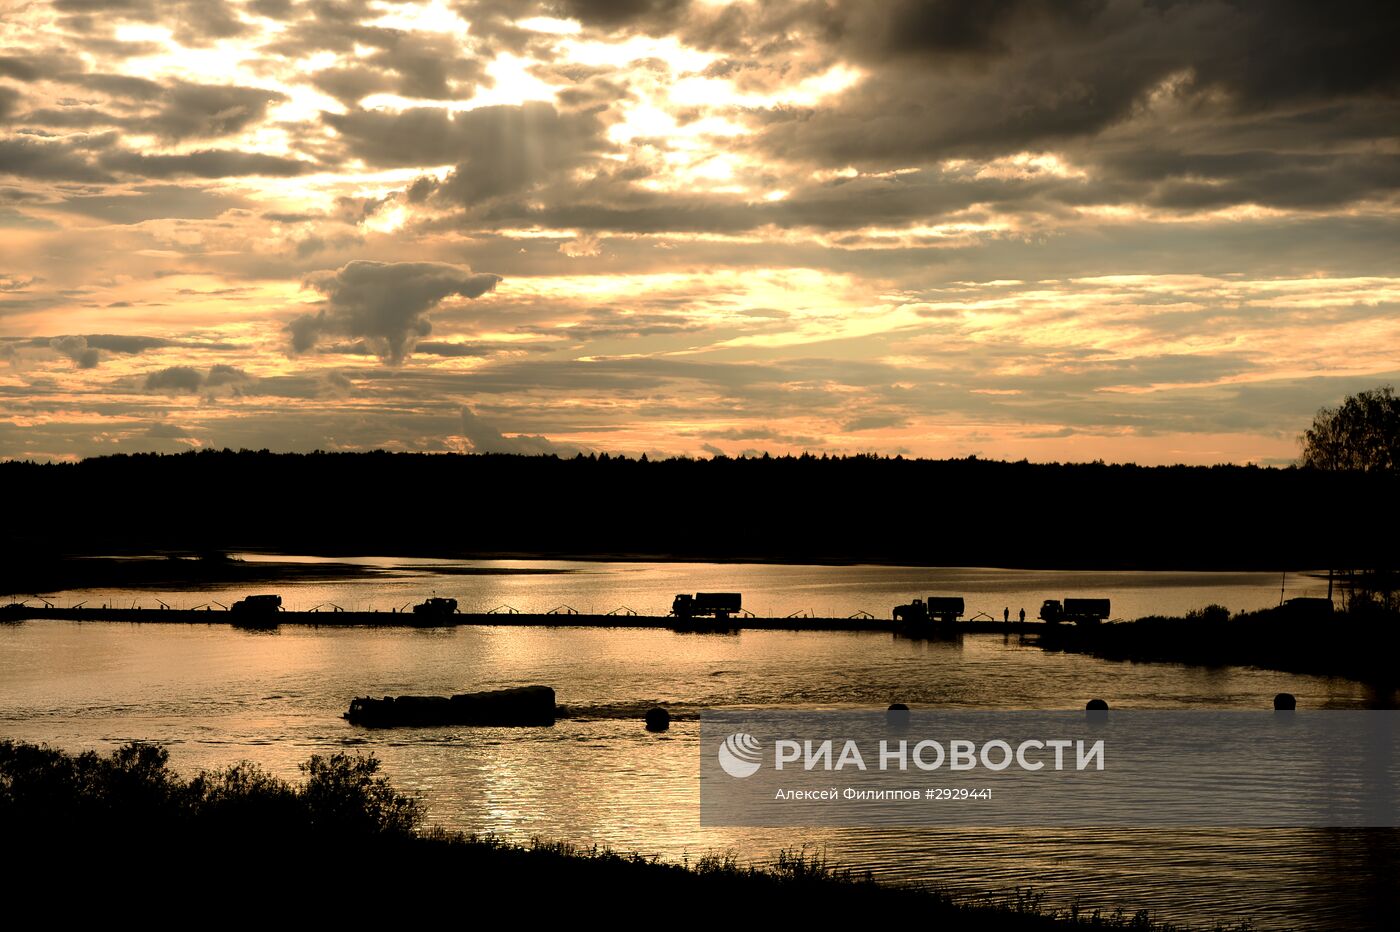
1080	611
718	605
939	608
258	605
257	611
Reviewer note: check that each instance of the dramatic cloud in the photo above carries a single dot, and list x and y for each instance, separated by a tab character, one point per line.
188	379
193	23
151	202
175	379
202	111
1122	229
485	438
384	303
77	349
496	150
411	66
205	163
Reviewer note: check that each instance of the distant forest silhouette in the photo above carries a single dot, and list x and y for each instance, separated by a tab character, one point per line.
792	508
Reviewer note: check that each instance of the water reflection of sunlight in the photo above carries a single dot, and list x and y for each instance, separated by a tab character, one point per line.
217	695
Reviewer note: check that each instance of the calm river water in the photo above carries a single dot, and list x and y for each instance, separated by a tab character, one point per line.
215	695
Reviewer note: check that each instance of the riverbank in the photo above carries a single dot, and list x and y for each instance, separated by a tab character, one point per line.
1358	645
345	837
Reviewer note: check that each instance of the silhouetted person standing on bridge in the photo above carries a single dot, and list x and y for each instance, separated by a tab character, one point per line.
1006	614
1023	616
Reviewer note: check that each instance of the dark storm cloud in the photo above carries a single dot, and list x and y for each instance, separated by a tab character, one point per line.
950	27
1291	182
384	303
1297	49
497	150
1046	72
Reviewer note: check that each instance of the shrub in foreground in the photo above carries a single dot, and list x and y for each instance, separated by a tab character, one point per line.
126	828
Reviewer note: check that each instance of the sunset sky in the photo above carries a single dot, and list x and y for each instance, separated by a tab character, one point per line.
1150	231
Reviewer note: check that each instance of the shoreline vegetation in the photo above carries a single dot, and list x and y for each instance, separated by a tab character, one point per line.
126	822
1360	644
788	509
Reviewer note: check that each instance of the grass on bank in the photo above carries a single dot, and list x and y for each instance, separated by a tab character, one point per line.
128	822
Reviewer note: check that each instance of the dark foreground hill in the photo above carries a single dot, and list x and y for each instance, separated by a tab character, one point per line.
124	836
790	509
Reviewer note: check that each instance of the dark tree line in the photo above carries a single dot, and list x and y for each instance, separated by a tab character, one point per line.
799	509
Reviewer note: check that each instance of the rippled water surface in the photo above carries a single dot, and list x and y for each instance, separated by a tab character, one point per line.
216	695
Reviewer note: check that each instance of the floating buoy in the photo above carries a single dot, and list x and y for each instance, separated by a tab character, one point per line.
1096	705
658	719
1285	702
